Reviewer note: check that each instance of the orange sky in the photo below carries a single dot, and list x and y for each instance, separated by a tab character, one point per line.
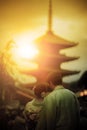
31	17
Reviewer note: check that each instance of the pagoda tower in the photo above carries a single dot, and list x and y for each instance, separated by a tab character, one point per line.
50	58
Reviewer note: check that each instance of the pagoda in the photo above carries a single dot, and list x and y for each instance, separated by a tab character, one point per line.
50	58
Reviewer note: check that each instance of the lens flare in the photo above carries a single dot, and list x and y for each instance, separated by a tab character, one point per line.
20	56
27	51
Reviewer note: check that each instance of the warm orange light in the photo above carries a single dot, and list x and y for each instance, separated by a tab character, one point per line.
23	55
27	65
81	94
27	51
18	57
25	47
85	92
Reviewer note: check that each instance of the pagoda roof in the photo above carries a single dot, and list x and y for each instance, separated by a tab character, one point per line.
42	73
51	38
55	58
63	58
69	72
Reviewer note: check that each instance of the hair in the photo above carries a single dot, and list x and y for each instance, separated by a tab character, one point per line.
55	78
41	87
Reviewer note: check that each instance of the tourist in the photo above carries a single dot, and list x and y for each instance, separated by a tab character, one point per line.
61	107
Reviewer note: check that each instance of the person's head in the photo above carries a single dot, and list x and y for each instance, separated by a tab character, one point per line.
41	90
54	78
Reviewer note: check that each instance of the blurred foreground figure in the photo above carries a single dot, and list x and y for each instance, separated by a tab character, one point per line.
33	108
60	109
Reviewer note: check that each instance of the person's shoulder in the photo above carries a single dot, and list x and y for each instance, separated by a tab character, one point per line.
50	96
29	103
69	91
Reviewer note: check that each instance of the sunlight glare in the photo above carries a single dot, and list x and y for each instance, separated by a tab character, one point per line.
27	51
25	47
19	56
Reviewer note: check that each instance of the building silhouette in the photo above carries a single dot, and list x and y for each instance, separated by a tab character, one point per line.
50	58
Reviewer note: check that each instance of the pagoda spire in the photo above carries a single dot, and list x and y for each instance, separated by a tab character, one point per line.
50	16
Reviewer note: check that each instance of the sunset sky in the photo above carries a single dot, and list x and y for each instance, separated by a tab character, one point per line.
30	18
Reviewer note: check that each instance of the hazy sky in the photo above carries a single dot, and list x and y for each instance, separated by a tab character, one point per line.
31	17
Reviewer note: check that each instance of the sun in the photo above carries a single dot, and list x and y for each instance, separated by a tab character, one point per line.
27	51
19	57
24	53
25	48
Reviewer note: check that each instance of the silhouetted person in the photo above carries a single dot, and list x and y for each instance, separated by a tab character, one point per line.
60	109
33	108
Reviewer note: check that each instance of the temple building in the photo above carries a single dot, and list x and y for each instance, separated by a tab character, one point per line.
50	58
